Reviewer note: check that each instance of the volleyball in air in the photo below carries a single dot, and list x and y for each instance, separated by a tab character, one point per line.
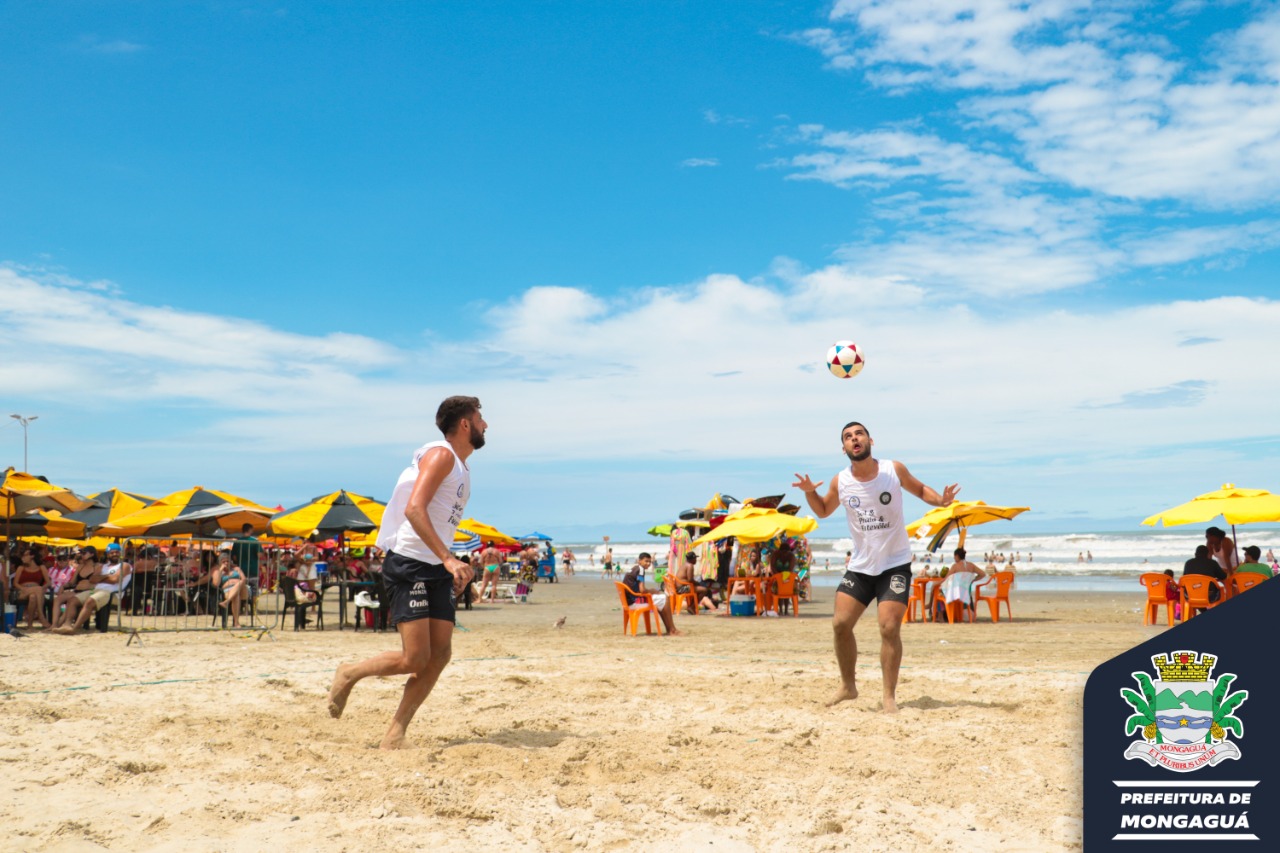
845	360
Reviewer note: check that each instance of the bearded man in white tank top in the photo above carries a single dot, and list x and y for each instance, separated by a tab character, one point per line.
879	566
421	576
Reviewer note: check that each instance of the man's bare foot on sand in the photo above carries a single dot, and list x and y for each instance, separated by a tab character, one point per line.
846	693
394	738
339	692
890	705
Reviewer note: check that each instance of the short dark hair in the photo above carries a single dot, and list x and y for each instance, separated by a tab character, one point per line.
246	527
453	410
691	557
853	423
1202	551
1216	532
644	554
1253	552
960	553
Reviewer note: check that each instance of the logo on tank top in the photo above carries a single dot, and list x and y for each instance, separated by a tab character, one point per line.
886	498
854	502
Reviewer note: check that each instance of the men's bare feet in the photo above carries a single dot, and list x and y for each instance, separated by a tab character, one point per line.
64	629
890	705
846	693
339	691
675	632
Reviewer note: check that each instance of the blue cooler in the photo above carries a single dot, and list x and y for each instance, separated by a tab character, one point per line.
742	606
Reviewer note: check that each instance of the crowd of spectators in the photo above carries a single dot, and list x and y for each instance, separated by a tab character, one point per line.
64	589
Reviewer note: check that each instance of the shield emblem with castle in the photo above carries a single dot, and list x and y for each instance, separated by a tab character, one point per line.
1184	715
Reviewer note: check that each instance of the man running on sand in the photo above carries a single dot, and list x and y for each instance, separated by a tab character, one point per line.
422	578
880	565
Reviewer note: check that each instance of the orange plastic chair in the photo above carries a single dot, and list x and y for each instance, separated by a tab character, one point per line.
680	599
956	610
1157	589
778	590
1195	594
631	613
918	586
1003	583
1240	581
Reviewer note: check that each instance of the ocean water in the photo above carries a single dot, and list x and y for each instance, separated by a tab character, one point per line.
1045	562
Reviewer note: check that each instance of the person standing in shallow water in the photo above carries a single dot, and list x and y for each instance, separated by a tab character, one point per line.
880	564
422	578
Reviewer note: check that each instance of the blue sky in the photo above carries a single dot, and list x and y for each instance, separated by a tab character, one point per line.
251	246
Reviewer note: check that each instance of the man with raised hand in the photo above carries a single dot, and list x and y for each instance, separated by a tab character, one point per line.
421	576
879	566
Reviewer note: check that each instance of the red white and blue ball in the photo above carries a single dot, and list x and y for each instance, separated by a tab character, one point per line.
845	360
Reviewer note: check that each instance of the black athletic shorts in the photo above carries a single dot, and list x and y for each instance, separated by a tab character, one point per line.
891	585
418	590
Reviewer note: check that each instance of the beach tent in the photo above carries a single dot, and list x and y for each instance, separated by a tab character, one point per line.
197	511
334	514
961	515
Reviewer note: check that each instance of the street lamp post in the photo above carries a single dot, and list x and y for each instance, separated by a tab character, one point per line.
25	421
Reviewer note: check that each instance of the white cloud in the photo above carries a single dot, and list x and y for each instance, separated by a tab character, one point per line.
697	162
716	117
1072	125
1091	98
568	375
91	43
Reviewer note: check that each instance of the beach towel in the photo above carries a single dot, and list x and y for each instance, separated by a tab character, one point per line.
958	586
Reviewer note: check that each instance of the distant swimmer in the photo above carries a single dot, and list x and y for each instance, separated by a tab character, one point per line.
422	578
879	565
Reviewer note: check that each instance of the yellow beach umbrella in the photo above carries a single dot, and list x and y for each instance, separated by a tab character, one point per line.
111	505
44	523
339	512
756	524
198	511
1236	505
486	532
940	521
21	493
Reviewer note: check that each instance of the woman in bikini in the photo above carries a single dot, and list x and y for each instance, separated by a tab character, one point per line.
233	586
66	606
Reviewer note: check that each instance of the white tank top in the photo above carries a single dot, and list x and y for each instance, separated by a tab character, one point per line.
444	511
875	520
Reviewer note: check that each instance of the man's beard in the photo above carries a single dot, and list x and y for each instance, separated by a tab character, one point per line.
858	457
477	440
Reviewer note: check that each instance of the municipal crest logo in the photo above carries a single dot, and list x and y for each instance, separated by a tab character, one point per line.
854	502
1184	716
885	498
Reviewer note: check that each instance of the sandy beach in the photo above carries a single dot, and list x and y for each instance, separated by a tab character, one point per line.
579	738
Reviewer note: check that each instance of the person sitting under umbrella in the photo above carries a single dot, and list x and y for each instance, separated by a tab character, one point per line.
29	583
232	585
